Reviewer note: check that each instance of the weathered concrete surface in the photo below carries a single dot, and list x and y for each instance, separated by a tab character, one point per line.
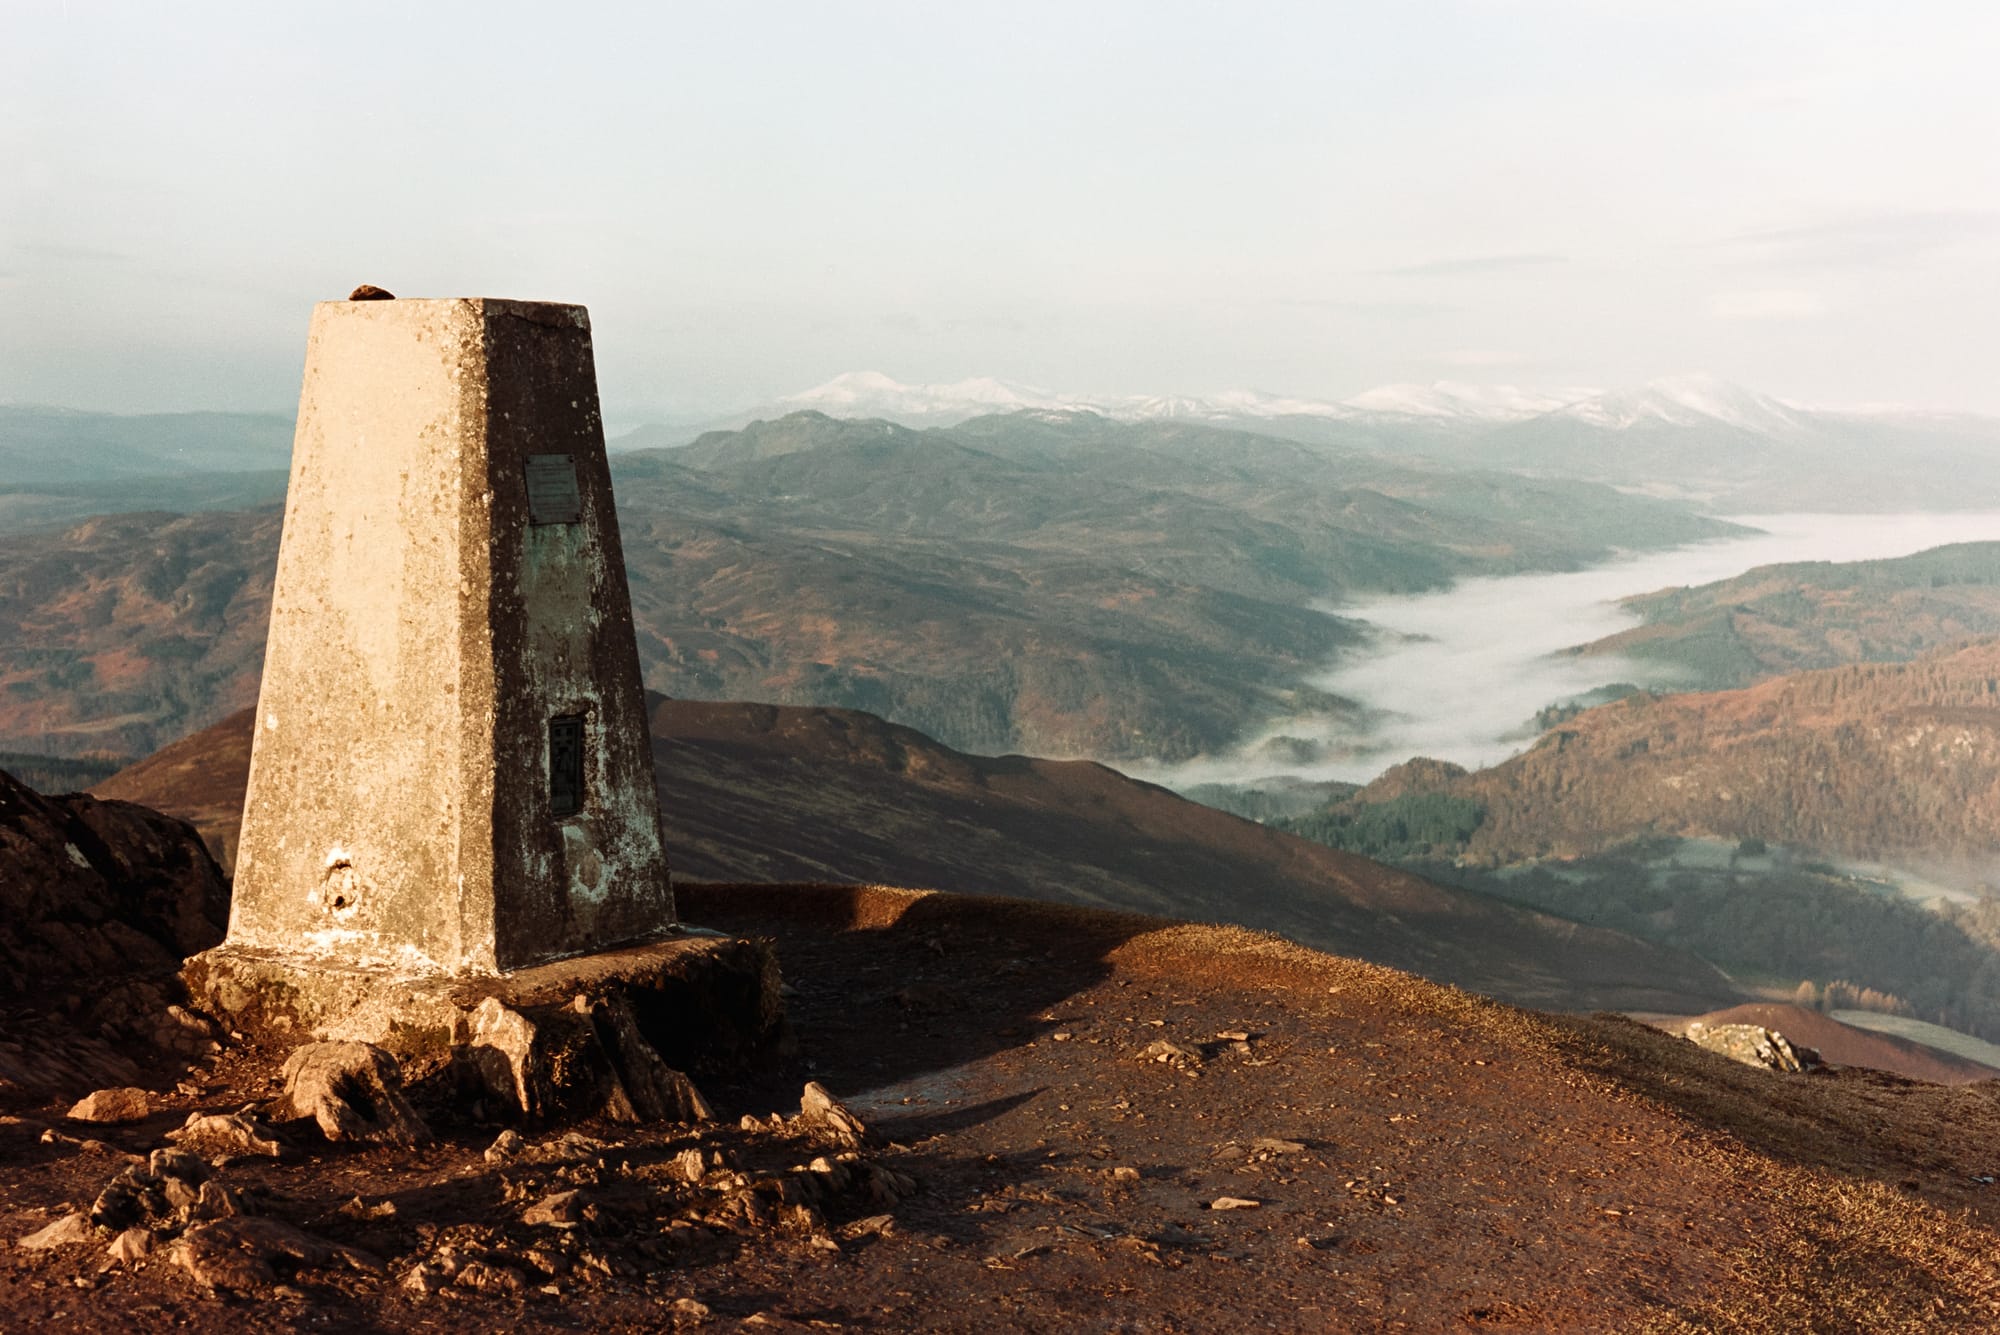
424	634
698	1001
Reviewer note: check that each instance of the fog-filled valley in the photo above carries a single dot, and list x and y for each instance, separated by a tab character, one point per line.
1461	673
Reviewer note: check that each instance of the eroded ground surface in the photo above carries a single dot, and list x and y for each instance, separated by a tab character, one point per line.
1092	1122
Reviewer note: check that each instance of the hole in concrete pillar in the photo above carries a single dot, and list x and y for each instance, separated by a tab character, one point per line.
342	891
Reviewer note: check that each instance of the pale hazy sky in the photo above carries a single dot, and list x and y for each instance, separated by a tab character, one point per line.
1114	198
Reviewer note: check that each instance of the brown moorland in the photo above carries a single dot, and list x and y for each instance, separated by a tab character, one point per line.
1815	614
776	794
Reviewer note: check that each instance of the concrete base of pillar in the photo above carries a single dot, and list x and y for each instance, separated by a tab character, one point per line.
607	1034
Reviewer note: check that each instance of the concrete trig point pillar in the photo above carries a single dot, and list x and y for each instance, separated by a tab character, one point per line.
452	772
451	838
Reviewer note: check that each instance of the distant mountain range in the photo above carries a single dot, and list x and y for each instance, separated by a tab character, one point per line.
1695	437
64	445
1698	401
1058	583
58	465
872	394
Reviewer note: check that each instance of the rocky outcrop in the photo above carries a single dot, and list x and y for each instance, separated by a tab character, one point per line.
1754	1045
99	902
221	1137
245	1254
173	1200
92	889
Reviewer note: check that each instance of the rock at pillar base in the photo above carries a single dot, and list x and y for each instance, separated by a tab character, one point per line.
351	1091
587	1059
605	1035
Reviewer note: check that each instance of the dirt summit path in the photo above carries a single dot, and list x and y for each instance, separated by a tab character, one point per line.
1089	1121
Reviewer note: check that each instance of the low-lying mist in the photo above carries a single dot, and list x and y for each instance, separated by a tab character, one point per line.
1459	674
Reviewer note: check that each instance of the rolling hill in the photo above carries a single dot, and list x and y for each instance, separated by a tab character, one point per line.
1891	760
1815	614
1873	761
1897	763
1054	583
762	793
122	629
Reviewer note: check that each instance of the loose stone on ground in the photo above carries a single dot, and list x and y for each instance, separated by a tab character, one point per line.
113	1107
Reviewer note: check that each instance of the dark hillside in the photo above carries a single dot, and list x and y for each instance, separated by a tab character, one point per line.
772	794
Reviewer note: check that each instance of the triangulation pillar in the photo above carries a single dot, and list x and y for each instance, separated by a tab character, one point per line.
452	773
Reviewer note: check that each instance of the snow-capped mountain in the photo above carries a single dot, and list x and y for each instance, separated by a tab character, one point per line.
1696	437
1693	400
1704	439
1688	401
1227	406
1456	400
873	394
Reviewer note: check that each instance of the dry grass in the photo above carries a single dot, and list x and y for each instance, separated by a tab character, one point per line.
1851	1256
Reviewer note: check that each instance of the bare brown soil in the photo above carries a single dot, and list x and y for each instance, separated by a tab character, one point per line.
1419	1159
